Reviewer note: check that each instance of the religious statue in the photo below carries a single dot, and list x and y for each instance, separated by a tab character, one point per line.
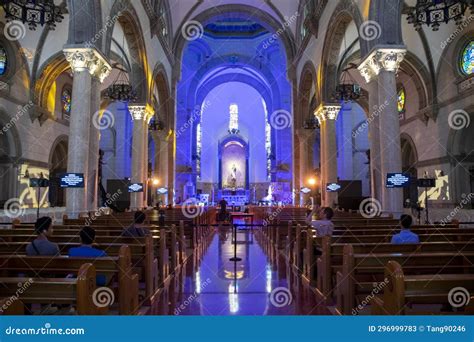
233	175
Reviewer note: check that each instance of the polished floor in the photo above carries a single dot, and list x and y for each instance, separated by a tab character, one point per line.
261	283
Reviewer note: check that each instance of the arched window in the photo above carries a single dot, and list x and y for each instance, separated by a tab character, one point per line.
401	100
233	118
66	102
3	61
467	59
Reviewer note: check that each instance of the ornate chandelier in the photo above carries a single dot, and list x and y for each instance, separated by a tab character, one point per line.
434	12
347	90
33	12
121	90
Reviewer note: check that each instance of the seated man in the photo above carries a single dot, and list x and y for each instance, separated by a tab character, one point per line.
87	235
86	250
137	229
323	224
405	236
41	245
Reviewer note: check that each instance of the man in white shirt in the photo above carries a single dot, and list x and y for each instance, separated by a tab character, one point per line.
323	224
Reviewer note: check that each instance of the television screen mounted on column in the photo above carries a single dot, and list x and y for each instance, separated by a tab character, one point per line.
72	180
397	180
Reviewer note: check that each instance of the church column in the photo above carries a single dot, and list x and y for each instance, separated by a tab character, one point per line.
306	139
160	138
380	69
94	145
327	116
141	116
85	64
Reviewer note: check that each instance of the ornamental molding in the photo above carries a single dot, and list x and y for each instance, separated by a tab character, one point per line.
327	112
90	59
382	58
141	112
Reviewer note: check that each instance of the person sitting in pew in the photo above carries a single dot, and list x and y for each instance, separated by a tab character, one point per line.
86	250
41	245
323	224
406	236
137	229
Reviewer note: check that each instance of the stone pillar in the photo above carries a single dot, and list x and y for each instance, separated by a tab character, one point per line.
160	138
306	139
379	69
86	63
94	141
141	116
327	116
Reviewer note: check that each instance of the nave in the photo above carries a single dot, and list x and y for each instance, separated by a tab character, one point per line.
186	266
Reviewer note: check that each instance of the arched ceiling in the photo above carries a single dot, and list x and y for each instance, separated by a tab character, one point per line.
184	10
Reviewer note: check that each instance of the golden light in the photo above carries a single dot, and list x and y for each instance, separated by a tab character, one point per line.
155	181
312	181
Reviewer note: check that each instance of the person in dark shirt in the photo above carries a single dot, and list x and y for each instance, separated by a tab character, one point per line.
86	250
87	235
223	210
161	218
41	245
137	229
406	236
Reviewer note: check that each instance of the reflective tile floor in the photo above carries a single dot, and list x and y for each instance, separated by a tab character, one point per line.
260	284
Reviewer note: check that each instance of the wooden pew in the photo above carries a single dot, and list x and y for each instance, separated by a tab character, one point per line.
358	271
78	291
402	292
331	258
143	260
116	269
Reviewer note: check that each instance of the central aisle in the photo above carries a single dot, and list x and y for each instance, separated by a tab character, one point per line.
257	285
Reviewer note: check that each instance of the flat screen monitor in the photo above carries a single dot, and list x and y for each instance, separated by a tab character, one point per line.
71	180
397	180
135	187
39	182
426	182
333	187
162	191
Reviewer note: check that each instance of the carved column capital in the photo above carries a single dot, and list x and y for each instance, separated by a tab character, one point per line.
327	112
381	59
82	58
141	112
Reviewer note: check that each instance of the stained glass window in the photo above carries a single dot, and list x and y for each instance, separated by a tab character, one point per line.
234	118
66	101
401	100
3	61
467	59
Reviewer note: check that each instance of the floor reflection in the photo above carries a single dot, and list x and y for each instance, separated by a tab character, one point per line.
259	284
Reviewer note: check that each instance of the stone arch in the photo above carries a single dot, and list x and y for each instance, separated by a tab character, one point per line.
346	12
242	61
85	22
388	14
124	13
414	68
252	12
57	165
308	79
47	75
161	82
